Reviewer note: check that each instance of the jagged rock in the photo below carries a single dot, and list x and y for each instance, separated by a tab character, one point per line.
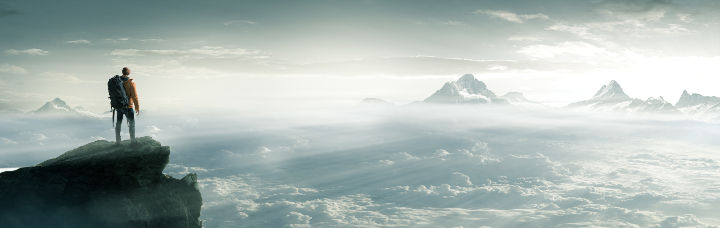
101	185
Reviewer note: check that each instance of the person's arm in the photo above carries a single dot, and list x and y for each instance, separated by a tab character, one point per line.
134	97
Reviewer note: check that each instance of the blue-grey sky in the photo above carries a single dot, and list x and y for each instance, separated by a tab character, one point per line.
263	55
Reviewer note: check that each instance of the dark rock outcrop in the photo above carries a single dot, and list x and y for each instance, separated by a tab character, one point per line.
101	185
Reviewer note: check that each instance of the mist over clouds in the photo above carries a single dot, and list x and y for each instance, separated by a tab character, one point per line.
421	166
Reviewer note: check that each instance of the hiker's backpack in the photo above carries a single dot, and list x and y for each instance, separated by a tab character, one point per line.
118	97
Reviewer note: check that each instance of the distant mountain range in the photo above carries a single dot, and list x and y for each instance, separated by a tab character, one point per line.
469	90
59	107
611	98
699	106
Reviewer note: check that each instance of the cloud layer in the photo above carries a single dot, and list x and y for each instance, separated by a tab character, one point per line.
421	167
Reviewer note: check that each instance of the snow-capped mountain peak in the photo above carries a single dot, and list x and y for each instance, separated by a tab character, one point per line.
59	107
55	106
687	100
467	89
699	106
612	99
610	91
469	84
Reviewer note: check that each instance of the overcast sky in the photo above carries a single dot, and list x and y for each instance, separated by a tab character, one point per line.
277	55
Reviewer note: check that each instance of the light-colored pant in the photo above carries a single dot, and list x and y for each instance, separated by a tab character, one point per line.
130	114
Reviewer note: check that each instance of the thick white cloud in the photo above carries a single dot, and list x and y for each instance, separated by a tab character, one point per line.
33	51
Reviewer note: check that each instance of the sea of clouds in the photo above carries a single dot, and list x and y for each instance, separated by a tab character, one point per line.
445	166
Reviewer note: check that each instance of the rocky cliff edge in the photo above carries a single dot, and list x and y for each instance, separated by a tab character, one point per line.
101	185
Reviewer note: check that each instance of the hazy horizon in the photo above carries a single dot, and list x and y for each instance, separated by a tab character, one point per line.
286	55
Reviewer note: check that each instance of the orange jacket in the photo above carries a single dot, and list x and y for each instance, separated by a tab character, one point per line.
131	91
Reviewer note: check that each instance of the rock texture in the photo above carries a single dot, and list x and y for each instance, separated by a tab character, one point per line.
101	185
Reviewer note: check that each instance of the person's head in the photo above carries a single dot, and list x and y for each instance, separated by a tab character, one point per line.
126	71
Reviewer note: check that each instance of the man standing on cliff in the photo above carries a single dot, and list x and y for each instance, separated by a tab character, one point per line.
129	112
